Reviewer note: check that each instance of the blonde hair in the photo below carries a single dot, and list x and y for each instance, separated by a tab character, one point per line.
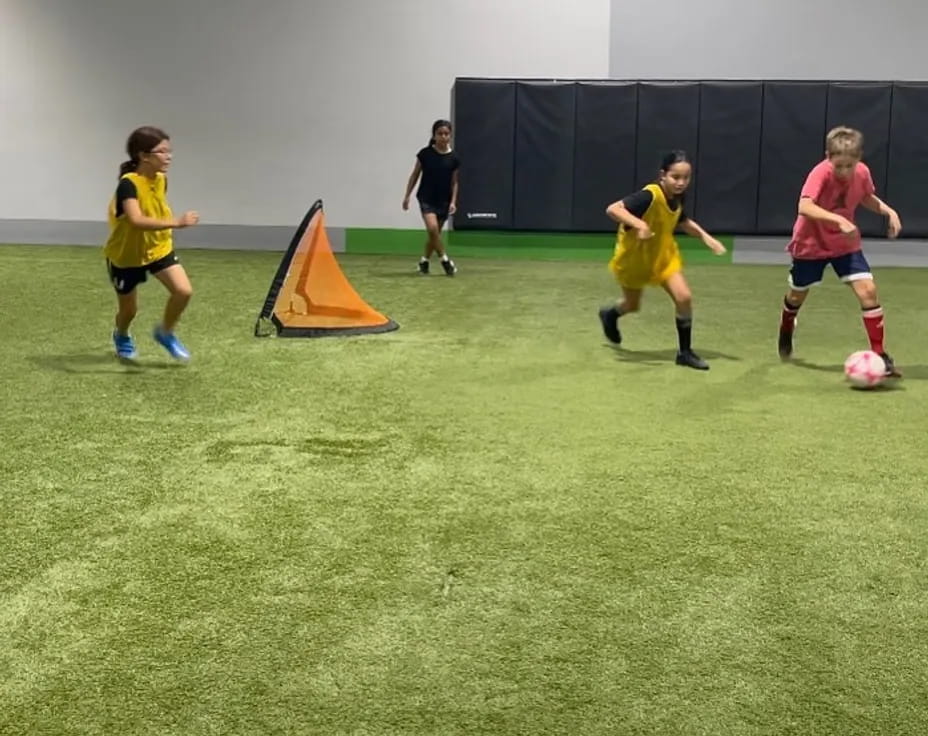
844	141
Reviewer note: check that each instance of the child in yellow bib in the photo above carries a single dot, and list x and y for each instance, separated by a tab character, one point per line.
647	254
141	241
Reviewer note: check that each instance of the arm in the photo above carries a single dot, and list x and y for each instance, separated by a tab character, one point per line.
875	204
815	184
808	208
693	228
133	212
454	193
413	178
618	212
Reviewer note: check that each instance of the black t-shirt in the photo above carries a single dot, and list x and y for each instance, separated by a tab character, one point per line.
437	173
126	190
639	202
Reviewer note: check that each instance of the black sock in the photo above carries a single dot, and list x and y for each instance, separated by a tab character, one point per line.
685	332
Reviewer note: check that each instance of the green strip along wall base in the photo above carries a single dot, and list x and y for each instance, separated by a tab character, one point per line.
512	245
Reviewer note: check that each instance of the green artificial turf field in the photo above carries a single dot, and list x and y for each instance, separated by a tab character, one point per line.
486	522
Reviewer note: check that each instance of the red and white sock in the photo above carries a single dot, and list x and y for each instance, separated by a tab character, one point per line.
873	324
788	316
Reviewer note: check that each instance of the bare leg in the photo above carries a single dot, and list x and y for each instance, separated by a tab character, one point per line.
177	283
126	311
679	291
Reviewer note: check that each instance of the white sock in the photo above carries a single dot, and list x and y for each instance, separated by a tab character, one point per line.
445	257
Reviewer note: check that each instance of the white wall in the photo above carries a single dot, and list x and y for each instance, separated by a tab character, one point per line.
270	104
769	39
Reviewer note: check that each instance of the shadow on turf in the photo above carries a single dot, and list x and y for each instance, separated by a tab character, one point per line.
918	372
96	363
664	356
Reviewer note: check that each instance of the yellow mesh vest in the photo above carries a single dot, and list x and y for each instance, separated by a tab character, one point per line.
127	246
636	263
660	218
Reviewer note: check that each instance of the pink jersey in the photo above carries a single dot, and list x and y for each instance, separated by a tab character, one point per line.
814	239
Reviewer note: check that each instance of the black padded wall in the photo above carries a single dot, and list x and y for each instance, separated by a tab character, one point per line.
792	142
728	166
908	156
551	155
544	155
484	129
604	150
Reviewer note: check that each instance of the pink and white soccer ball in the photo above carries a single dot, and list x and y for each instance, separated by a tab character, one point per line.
865	369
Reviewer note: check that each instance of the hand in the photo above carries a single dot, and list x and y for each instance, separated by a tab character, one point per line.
716	246
644	233
405	203
847	227
188	218
452	208
895	224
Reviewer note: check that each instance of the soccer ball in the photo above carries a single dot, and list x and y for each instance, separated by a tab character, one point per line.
865	369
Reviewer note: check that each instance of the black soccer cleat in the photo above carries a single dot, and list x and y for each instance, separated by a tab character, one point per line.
891	371
785	344
450	268
424	268
689	359
610	325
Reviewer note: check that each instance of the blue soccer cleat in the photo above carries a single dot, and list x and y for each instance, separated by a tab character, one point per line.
169	341
125	346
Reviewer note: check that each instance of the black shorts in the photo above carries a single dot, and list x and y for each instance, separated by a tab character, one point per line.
441	212
125	280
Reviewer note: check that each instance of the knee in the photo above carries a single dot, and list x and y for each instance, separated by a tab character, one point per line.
683	300
795	298
867	293
182	292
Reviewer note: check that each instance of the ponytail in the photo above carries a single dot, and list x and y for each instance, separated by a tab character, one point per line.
127	166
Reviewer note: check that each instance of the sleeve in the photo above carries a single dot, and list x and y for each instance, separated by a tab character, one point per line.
815	182
638	202
124	190
421	156
869	187
456	164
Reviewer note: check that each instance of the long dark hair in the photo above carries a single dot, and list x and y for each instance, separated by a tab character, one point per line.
141	140
435	126
676	156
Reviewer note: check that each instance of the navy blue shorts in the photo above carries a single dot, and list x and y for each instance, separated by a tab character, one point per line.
849	267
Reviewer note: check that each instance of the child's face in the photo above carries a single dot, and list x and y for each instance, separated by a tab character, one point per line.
160	157
677	178
443	137
844	165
